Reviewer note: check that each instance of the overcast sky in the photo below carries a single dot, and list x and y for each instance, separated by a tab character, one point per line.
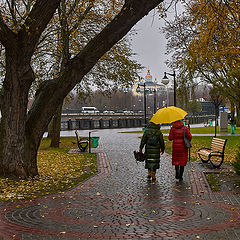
150	44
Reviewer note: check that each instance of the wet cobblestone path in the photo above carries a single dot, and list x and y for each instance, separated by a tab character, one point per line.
119	203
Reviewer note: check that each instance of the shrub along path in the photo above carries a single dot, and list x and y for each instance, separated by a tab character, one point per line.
119	203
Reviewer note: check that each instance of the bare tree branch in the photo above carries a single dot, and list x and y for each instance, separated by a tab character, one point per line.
11	9
36	22
73	7
81	18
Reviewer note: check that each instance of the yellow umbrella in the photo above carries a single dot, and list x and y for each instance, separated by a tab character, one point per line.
168	115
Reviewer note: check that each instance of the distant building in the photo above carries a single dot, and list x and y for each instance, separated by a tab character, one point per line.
149	84
153	85
208	108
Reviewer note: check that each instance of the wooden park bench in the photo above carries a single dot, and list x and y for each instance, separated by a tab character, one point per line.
82	144
214	154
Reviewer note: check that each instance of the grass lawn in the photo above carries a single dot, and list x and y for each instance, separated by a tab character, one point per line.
58	171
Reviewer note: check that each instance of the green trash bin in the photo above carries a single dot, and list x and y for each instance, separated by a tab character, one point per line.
95	141
210	122
232	128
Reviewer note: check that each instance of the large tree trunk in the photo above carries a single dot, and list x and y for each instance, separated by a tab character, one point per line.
238	116
55	128
232	111
14	141
18	143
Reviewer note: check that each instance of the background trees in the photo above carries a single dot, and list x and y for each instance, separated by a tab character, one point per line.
205	42
73	18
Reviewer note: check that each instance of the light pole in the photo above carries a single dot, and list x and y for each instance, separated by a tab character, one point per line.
164	103
125	90
165	81
154	92
144	101
154	101
217	100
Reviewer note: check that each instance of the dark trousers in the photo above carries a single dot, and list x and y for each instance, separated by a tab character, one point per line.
179	171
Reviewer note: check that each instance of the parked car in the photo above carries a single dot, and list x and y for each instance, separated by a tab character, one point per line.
128	111
119	111
89	110
108	111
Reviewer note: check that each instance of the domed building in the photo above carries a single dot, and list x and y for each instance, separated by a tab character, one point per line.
152	87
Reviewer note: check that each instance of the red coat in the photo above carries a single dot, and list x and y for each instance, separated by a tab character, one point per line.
179	152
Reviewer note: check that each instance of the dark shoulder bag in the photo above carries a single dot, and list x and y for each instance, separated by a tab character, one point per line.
186	141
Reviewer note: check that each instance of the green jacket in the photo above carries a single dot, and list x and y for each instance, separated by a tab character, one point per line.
153	141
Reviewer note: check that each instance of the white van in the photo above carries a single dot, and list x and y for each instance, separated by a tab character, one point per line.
89	110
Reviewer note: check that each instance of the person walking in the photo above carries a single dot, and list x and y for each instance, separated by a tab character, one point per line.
154	144
179	152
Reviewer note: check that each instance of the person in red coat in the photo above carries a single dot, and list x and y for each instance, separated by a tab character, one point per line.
179	152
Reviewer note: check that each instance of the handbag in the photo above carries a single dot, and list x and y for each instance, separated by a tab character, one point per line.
186	141
139	156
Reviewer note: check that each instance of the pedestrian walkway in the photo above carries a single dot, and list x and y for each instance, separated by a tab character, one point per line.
119	203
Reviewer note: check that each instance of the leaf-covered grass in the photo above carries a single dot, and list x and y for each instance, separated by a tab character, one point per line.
213	182
230	149
58	171
168	145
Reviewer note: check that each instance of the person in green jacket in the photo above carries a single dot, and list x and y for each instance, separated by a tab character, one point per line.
154	145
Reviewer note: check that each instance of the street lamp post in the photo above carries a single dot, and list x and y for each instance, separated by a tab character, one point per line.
125	90
164	103
144	101
165	81
154	100
217	100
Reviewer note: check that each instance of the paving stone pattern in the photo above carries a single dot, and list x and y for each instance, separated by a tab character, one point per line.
119	203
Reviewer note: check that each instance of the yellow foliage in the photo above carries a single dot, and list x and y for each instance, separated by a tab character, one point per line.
58	171
217	43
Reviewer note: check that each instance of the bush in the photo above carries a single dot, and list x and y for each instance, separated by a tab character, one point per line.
236	163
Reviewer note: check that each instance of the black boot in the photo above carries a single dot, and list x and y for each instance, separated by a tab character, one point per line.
177	171
181	173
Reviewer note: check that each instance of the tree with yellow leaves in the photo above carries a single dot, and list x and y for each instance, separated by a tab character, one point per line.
208	45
